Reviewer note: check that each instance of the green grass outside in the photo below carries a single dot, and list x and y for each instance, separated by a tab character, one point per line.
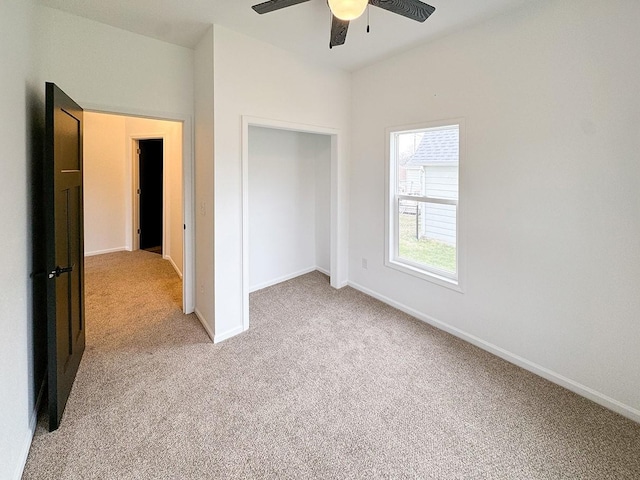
428	252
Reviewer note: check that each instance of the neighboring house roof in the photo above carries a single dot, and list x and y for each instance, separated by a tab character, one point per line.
437	146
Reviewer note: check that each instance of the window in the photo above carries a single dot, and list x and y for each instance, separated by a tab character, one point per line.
423	193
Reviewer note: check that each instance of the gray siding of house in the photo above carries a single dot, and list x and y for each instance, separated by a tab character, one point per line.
413	182
438	222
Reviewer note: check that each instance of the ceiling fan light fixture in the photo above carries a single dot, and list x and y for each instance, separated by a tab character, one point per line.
347	9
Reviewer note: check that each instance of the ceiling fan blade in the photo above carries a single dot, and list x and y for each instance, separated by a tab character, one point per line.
339	30
413	9
272	5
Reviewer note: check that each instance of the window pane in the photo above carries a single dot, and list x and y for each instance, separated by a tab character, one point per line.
410	178
423	195
427	162
427	234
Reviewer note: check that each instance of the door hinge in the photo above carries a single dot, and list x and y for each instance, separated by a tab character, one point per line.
138	231
138	151
138	191
184	227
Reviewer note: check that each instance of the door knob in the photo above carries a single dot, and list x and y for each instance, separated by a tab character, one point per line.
60	270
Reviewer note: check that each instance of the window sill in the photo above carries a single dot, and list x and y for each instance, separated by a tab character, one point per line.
425	275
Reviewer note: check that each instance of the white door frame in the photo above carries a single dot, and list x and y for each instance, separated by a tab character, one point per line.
188	189
336	139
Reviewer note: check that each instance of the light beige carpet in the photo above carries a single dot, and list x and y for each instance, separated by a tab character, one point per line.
326	384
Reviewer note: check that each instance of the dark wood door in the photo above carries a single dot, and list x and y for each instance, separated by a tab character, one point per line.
150	181
65	247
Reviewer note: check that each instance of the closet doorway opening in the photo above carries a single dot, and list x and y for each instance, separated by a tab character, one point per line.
290	203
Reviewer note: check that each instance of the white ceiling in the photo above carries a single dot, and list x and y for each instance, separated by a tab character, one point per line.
302	29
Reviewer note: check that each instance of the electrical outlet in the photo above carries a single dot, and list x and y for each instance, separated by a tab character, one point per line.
364	263
203	208
202	288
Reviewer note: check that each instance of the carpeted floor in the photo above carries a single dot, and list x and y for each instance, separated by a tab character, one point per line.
326	384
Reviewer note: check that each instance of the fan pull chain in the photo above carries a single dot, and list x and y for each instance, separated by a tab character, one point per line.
368	9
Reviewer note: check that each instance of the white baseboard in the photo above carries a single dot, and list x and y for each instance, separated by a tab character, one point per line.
221	337
108	250
34	415
205	325
582	390
284	278
22	461
228	334
328	274
173	264
322	270
26	443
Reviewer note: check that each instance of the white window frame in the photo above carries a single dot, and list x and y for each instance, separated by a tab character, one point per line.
392	259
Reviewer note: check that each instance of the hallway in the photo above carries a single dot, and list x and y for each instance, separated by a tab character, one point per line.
135	353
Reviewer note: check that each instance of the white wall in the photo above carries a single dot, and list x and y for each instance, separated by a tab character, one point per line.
108	188
204	188
105	183
100	65
16	343
320	147
175	203
285	207
257	79
549	188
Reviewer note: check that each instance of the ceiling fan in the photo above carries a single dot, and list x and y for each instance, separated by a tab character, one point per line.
343	11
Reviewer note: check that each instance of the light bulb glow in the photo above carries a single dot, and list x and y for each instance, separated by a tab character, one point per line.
347	9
